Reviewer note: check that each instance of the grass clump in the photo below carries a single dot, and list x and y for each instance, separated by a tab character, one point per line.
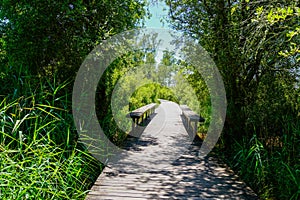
42	171
272	169
40	156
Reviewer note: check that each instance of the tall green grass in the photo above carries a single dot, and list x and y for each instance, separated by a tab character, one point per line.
272	171
40	156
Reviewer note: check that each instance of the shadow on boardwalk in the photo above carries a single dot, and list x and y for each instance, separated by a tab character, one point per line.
159	165
186	178
194	178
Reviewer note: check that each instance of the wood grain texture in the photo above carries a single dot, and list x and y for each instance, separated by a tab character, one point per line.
164	164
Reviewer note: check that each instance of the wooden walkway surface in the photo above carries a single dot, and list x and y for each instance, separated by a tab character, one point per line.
162	164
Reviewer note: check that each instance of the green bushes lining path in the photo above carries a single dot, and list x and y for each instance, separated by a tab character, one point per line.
150	93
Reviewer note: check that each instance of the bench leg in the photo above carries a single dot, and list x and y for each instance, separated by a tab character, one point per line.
133	124
195	129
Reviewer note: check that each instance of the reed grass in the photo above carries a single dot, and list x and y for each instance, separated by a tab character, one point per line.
40	156
274	173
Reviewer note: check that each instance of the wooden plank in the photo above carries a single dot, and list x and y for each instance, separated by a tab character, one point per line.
164	165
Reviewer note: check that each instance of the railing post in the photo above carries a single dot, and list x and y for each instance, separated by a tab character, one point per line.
133	123
196	128
190	119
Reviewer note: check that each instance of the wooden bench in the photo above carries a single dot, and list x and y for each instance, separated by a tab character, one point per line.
190	119
139	115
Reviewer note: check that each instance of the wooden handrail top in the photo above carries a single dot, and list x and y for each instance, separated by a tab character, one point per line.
140	111
184	108
191	114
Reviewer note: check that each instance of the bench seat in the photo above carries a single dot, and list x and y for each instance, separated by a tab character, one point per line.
190	120
139	115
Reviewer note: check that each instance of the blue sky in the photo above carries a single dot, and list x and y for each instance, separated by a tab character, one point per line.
157	13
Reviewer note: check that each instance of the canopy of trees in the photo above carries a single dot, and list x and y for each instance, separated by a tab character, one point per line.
48	37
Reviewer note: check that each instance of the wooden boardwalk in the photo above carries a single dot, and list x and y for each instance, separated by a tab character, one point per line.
162	164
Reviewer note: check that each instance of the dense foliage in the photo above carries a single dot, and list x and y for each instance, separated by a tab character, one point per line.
55	37
150	93
39	152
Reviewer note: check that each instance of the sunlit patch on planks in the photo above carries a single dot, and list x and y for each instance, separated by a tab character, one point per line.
163	164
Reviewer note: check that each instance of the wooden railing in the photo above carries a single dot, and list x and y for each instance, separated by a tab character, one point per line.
139	115
190	120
